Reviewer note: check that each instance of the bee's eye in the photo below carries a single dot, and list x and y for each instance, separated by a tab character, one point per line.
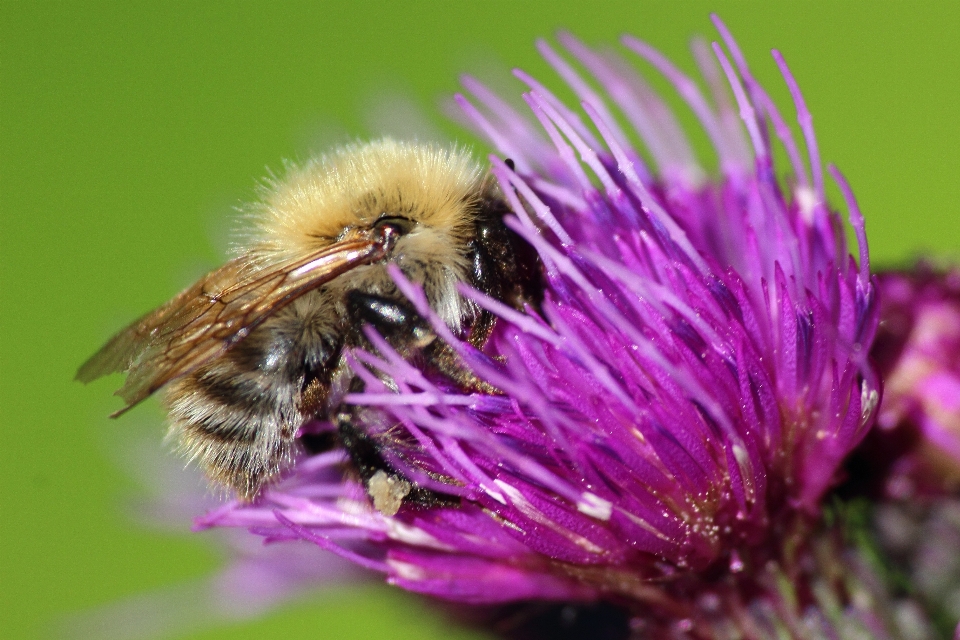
401	226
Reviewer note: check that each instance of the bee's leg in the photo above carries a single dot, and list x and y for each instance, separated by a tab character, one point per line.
388	488
314	443
312	402
447	362
397	322
405	330
363	449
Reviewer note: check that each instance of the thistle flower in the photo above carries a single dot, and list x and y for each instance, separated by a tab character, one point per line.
674	411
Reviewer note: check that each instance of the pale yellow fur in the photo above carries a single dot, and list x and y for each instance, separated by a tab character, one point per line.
355	185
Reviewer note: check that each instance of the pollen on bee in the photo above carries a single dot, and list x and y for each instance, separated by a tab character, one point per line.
387	492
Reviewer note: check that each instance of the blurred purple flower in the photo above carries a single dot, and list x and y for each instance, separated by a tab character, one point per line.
254	580
918	352
909	465
679	404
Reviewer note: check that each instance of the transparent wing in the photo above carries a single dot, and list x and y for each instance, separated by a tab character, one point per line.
219	310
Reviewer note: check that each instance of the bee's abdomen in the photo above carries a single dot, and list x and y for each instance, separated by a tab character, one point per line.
239	425
238	415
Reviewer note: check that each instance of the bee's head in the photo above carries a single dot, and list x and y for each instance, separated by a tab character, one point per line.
429	194
424	198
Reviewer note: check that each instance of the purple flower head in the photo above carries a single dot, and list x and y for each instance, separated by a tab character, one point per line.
917	351
677	405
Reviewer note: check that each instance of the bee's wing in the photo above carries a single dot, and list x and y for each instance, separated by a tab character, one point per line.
215	313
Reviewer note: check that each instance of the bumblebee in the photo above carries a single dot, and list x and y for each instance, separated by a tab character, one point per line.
256	349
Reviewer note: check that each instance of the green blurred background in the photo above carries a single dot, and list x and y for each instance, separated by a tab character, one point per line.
127	134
